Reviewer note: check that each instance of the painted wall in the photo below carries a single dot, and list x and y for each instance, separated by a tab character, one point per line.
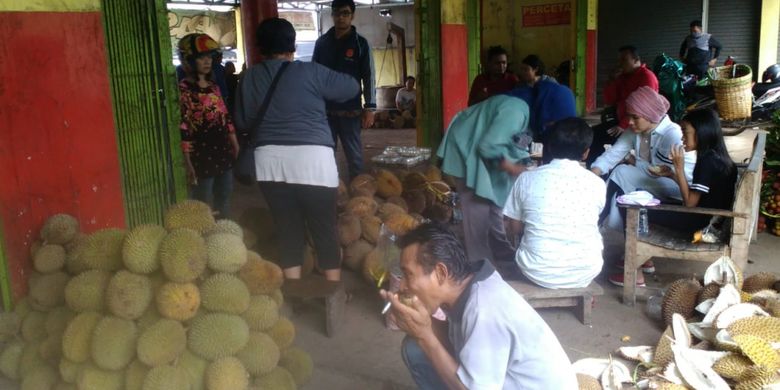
373	27
58	151
502	24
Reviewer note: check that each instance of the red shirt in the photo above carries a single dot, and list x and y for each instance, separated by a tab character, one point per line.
616	92
493	87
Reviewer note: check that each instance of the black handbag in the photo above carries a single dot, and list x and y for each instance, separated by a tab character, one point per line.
244	170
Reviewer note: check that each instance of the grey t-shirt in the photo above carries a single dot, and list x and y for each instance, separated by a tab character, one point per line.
501	342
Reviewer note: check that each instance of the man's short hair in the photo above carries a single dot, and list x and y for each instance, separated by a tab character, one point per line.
630	49
410	78
568	139
275	36
495	51
336	4
695	23
438	244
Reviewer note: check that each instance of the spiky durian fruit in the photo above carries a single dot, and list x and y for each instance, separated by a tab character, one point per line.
10	358
758	350
226	252
387	184
216	335
298	363
227	373
758	282
263	313
59	229
195	367
680	298
135	375
191	214
370	227
283	333
732	366
178	301
34	326
183	255
260	276
355	253
260	355
76	341
48	290
710	291
102	250
755	378
227	226
767	328
278	379
93	378
166	378
363	185
587	382
86	291
387	209
49	258
139	252
70	371
663	350
113	343
30	358
161	343
40	378
224	293
128	295
348	229
401	224
57	320
361	206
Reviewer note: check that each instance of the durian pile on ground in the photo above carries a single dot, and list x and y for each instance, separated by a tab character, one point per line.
399	202
721	334
184	306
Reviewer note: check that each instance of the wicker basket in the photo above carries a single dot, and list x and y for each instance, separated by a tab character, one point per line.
733	95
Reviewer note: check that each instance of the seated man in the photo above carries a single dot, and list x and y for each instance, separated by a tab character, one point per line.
556	208
406	98
495	80
493	339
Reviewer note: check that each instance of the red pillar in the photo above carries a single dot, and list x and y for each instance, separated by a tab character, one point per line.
591	50
454	59
252	13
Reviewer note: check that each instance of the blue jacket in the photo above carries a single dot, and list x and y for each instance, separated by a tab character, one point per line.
351	55
548	102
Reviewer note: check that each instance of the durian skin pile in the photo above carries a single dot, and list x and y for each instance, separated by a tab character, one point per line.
180	306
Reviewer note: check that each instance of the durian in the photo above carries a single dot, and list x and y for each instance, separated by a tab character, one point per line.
278	379
48	290
49	258
42	377
86	291
363	185
226	252
348	229
732	366
216	335
261	276
161	343
283	333
758	282
354	254
178	301
227	373
183	255
10	358
166	378
224	293
34	326
113	343
59	229
260	355
680	298
93	378
298	363
387	184
227	226
263	313
135	375
128	295
190	214
361	206
102	250
76	340
139	252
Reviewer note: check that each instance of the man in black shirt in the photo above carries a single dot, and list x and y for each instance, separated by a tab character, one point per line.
699	51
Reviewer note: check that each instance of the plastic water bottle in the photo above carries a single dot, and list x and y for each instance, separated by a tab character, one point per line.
643	228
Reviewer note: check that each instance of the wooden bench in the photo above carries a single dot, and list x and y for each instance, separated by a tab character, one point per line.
541	297
666	243
314	287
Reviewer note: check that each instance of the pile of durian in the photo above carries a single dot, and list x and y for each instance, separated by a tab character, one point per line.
722	335
185	306
399	202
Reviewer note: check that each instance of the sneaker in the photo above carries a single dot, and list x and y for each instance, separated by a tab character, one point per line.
648	267
617	280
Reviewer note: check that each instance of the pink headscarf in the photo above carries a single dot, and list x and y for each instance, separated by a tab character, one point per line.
648	104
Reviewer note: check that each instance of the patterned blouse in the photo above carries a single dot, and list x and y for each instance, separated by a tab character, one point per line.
205	125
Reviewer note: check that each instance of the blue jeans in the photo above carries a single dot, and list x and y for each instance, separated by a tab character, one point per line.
420	367
215	191
348	131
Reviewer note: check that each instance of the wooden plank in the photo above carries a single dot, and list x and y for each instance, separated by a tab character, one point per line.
310	287
552	302
689	210
631	260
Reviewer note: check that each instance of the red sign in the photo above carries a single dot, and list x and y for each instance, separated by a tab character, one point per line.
547	15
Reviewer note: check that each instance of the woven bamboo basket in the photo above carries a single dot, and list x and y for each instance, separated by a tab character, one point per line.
733	94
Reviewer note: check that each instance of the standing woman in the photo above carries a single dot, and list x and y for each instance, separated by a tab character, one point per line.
208	138
294	158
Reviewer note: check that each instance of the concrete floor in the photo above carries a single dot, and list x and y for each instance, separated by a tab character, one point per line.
365	355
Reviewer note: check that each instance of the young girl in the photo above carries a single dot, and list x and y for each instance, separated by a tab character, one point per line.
208	137
714	175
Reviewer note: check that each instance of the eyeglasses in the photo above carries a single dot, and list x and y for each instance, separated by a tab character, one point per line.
345	14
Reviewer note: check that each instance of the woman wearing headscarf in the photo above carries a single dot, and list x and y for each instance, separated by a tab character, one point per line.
652	137
485	149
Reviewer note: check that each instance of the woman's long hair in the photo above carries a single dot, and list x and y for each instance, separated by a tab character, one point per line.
709	137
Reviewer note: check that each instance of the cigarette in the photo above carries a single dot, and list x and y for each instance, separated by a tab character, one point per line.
387	307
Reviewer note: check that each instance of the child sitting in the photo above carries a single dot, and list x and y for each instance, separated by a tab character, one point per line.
556	209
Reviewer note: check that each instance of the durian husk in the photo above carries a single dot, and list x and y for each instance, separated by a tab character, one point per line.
363	185
587	382
663	351
758	282
710	291
361	206
767	328
758	350
680	298
732	366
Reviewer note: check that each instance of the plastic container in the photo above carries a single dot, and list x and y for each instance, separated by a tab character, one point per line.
653	306
643	227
